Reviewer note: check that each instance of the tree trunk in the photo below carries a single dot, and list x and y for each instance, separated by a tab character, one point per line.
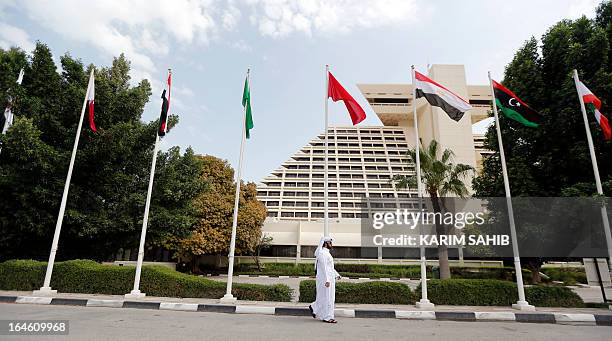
441	230
534	265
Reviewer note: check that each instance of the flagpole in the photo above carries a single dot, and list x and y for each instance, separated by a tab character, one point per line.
46	288
325	180
522	303
424	302
136	293
228	297
604	214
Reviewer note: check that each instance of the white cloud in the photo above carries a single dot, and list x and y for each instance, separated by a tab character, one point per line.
280	18
241	45
138	28
230	17
11	36
579	8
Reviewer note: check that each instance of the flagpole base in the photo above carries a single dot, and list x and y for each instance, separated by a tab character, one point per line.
523	305
135	294
44	291
228	298
424	304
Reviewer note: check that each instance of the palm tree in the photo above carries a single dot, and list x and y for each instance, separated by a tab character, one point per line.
441	177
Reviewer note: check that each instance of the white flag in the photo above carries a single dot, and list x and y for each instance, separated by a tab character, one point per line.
8	112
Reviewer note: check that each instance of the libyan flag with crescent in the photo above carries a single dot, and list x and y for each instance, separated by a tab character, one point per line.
514	108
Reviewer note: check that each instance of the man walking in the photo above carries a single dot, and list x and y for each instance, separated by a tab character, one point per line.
323	307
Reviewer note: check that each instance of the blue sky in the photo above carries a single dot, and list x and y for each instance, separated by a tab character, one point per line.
209	45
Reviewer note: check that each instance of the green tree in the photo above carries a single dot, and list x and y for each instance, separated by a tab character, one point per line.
441	177
109	183
215	207
553	160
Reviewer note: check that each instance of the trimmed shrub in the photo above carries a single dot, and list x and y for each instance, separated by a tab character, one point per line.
487	292
363	293
86	276
569	276
553	296
345	269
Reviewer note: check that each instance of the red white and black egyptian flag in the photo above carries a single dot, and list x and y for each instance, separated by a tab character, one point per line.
439	96
90	102
163	117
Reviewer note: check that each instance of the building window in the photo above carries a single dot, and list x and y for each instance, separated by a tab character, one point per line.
287	214
317	215
272	214
301	214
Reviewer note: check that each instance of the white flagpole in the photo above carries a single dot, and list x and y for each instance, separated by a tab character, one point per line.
325	180
604	215
135	293
46	288
424	302
228	297
522	303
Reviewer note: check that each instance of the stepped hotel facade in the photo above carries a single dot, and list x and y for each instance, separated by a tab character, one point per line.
361	162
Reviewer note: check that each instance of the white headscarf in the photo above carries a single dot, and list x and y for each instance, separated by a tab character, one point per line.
321	242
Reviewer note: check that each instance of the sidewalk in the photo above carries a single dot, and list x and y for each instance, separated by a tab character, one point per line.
586	316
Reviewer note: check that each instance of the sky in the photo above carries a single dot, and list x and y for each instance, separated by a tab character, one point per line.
209	44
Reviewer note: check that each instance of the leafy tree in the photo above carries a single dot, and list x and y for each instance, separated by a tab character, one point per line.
111	172
441	177
553	159
212	233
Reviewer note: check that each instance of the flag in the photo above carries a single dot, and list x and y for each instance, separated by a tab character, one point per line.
91	90
246	103
514	108
593	104
336	92
8	111
165	96
439	96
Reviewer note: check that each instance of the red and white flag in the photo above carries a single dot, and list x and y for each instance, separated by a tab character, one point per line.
592	104
439	96
90	102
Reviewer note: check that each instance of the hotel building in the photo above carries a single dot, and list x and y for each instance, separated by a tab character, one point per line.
361	162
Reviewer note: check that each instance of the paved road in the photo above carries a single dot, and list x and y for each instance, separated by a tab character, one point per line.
133	324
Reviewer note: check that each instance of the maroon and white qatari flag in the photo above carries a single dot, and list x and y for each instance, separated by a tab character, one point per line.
90	102
163	117
439	96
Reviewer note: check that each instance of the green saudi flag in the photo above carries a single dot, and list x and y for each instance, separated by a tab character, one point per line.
246	103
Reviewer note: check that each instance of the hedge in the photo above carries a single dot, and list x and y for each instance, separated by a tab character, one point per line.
86	276
345	269
569	276
488	292
380	271
364	293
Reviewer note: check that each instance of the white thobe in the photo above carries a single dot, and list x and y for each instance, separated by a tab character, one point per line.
325	302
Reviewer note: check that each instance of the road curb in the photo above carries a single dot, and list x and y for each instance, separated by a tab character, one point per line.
462	316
